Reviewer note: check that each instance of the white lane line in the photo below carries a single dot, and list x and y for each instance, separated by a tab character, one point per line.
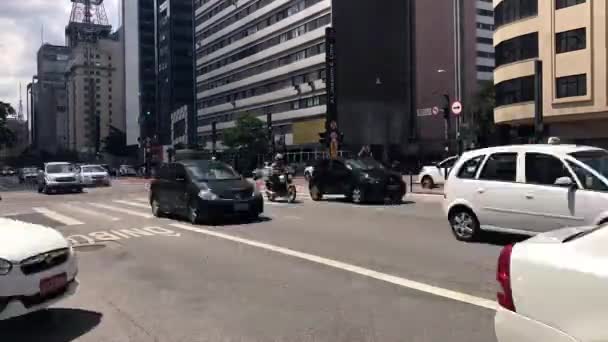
142	199
53	215
430	289
121	210
133	204
91	212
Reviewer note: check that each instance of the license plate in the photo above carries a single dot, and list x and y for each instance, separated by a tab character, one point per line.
241	207
53	284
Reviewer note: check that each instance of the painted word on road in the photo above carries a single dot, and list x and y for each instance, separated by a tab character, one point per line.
119	234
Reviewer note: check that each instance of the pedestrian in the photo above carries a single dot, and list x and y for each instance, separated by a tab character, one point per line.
366	152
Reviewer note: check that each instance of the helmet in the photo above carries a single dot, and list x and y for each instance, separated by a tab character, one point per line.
278	157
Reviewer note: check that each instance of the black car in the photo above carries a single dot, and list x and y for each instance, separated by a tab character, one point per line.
204	190
360	180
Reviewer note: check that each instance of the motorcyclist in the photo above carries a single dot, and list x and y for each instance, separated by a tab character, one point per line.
277	169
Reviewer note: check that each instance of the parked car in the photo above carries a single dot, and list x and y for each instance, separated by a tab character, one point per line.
527	189
204	190
360	180
127	171
7	171
58	176
553	287
92	175
27	174
308	171
37	268
433	175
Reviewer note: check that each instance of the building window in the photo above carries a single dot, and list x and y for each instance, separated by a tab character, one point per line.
517	49
569	86
509	11
97	88
515	91
571	40
567	3
98	80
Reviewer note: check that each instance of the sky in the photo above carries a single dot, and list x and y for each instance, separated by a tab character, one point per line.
21	24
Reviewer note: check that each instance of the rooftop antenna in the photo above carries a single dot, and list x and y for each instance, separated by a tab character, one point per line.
42	34
20	105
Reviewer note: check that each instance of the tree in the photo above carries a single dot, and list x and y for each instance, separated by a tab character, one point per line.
482	127
116	142
7	137
248	134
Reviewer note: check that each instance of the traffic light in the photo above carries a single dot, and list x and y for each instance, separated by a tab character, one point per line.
323	139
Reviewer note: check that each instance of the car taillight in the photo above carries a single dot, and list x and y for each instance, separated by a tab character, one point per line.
503	276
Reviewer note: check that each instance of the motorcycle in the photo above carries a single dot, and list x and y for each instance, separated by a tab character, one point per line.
281	188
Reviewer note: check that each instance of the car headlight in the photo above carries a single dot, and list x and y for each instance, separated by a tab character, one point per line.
207	195
5	267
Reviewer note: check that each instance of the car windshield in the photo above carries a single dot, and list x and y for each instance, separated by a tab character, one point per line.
211	170
364	164
60	168
596	159
93	169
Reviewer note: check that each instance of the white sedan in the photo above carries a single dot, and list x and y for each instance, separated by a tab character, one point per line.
554	287
37	268
433	175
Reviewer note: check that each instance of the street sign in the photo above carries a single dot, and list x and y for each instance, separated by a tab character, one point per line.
435	110
456	108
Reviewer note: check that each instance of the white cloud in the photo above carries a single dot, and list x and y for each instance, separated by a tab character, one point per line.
21	23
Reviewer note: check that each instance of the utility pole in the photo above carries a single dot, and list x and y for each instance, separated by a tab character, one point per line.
538	101
458	84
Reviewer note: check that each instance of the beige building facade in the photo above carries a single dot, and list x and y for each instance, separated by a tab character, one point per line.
95	92
569	37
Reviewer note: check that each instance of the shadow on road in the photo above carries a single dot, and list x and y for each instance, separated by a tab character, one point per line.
52	325
501	239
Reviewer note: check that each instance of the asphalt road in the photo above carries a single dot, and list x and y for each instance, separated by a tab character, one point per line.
310	271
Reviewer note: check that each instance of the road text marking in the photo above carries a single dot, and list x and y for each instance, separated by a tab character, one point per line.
430	289
121	210
53	215
119	234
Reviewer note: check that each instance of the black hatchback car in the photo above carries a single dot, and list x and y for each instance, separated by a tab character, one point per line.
360	180
204	190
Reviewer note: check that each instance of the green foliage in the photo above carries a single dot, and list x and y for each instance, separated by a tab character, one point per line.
116	142
249	134
7	137
483	127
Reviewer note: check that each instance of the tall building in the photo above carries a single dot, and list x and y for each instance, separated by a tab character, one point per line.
175	65
485	46
569	38
50	101
259	58
140	68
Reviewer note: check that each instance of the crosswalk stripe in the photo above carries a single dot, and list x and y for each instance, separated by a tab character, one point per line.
133	204
142	199
91	212
121	210
53	215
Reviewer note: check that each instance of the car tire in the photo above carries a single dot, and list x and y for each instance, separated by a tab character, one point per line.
464	224
357	195
315	193
427	182
155	206
193	213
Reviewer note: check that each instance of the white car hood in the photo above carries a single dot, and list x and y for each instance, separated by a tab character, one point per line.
61	175
557	236
21	240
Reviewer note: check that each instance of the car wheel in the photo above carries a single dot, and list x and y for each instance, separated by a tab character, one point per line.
427	182
291	194
193	213
357	195
156	211
315	193
465	225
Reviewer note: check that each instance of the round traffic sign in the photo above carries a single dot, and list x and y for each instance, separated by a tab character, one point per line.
435	110
456	107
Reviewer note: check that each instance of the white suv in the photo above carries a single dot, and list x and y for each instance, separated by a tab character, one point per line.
527	189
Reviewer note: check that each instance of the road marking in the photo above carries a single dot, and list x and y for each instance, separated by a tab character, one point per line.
121	210
414	285
133	204
53	215
119	234
91	212
142	199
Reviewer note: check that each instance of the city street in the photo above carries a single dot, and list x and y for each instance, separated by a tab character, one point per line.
308	271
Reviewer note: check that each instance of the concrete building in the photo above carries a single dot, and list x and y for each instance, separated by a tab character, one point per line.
260	57
96	97
49	105
569	37
175	62
484	21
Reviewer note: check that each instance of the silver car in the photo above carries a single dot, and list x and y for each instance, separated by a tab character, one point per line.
93	175
58	176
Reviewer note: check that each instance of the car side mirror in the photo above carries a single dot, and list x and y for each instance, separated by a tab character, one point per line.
564	182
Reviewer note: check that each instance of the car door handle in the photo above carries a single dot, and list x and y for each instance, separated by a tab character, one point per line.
481	190
529	196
